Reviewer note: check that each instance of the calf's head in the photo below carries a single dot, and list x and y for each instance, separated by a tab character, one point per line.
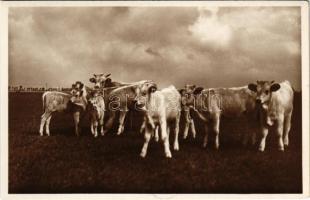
188	94
143	91
100	80
263	90
77	89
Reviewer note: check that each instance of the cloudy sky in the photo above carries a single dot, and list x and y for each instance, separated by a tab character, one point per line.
207	46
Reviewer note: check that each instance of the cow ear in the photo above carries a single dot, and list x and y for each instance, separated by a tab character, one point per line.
252	87
107	82
274	87
92	80
73	85
182	92
107	75
198	90
81	85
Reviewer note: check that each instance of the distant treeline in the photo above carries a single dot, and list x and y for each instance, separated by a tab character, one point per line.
37	89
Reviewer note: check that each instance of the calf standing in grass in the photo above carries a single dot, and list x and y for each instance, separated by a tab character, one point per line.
120	100
63	102
213	103
189	121
119	92
275	102
96	108
161	108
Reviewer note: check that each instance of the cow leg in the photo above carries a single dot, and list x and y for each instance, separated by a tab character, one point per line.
95	128
287	127
216	129
263	139
186	129
147	137
121	125
101	126
176	134
205	139
279	132
108	125
193	129
165	137
187	124
47	125
76	117
92	128
43	120
168	131
142	127
156	134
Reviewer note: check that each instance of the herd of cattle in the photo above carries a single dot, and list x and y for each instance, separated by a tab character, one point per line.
262	105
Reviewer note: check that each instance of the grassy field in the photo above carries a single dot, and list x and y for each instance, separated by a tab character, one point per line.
64	163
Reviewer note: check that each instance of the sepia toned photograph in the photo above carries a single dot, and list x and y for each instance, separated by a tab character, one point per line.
170	99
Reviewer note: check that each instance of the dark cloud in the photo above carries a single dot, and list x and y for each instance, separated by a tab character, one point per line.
213	47
152	52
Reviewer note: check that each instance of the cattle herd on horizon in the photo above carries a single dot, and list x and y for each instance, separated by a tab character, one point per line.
262	104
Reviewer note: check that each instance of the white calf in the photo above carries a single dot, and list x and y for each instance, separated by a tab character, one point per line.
96	113
162	108
276	107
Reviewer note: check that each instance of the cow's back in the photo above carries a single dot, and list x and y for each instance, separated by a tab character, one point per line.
55	101
231	102
124	96
172	101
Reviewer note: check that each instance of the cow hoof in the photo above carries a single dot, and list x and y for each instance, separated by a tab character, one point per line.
176	147
156	139
261	150
281	149
103	132
142	155
168	155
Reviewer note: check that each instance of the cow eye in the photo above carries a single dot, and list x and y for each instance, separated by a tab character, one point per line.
266	92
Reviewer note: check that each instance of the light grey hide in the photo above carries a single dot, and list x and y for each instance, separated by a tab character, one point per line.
275	103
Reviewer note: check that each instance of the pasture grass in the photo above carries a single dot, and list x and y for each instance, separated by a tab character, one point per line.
64	163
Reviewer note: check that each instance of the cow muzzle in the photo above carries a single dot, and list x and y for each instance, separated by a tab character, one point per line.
258	101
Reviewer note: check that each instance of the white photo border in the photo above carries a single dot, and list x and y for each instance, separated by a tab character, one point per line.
4	7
